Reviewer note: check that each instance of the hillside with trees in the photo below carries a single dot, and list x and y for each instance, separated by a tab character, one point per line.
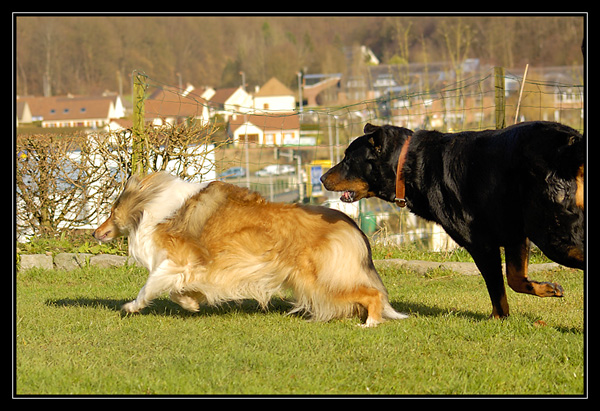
56	55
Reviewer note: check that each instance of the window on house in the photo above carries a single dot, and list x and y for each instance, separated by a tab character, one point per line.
252	138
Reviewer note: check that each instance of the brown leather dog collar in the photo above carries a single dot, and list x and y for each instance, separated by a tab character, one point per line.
400	199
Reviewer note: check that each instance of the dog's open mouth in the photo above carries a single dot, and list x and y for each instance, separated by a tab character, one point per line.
348	196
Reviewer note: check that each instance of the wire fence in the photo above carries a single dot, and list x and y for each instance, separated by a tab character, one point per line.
268	143
282	152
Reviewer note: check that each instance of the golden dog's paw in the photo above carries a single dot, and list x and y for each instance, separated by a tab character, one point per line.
131	307
370	323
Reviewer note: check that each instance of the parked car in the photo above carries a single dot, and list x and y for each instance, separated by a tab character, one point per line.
233	172
276	170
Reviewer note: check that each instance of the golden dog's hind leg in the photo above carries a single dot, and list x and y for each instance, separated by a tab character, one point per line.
187	300
370	299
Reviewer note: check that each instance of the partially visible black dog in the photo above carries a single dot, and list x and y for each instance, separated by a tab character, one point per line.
487	189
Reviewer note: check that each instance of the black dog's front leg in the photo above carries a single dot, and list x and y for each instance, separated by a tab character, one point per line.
490	265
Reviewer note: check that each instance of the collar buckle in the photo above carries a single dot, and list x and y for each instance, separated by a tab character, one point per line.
400	202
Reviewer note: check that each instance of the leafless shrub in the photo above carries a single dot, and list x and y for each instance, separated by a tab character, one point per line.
68	182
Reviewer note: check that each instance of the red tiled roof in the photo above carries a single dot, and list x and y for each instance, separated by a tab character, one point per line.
289	121
174	106
274	87
68	108
221	95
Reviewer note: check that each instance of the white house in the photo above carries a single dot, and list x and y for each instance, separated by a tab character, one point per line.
274	96
226	101
269	130
74	111
23	113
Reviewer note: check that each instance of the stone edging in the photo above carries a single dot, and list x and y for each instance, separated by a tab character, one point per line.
71	261
422	267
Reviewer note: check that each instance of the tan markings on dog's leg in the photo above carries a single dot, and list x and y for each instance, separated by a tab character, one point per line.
370	299
576	253
517	260
503	306
579	197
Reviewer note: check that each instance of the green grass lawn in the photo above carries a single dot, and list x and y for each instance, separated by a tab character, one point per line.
72	339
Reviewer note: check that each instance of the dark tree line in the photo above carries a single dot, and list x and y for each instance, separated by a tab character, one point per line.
88	54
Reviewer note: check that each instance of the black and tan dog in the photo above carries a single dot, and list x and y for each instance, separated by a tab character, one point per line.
487	189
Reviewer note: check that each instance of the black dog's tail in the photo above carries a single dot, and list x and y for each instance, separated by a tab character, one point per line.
569	159
552	149
570	155
554	214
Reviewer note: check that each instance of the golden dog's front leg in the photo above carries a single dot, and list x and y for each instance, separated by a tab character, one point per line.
160	280
136	305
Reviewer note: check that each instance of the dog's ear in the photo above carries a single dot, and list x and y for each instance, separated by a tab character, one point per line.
133	181
370	128
374	138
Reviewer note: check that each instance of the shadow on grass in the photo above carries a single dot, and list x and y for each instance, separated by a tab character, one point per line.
164	306
429	311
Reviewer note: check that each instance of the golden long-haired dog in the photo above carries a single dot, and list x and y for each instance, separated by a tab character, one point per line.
210	243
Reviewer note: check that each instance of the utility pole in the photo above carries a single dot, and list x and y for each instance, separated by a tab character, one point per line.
299	92
294	155
243	80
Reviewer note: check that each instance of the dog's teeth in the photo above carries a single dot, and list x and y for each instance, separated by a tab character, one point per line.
347	196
